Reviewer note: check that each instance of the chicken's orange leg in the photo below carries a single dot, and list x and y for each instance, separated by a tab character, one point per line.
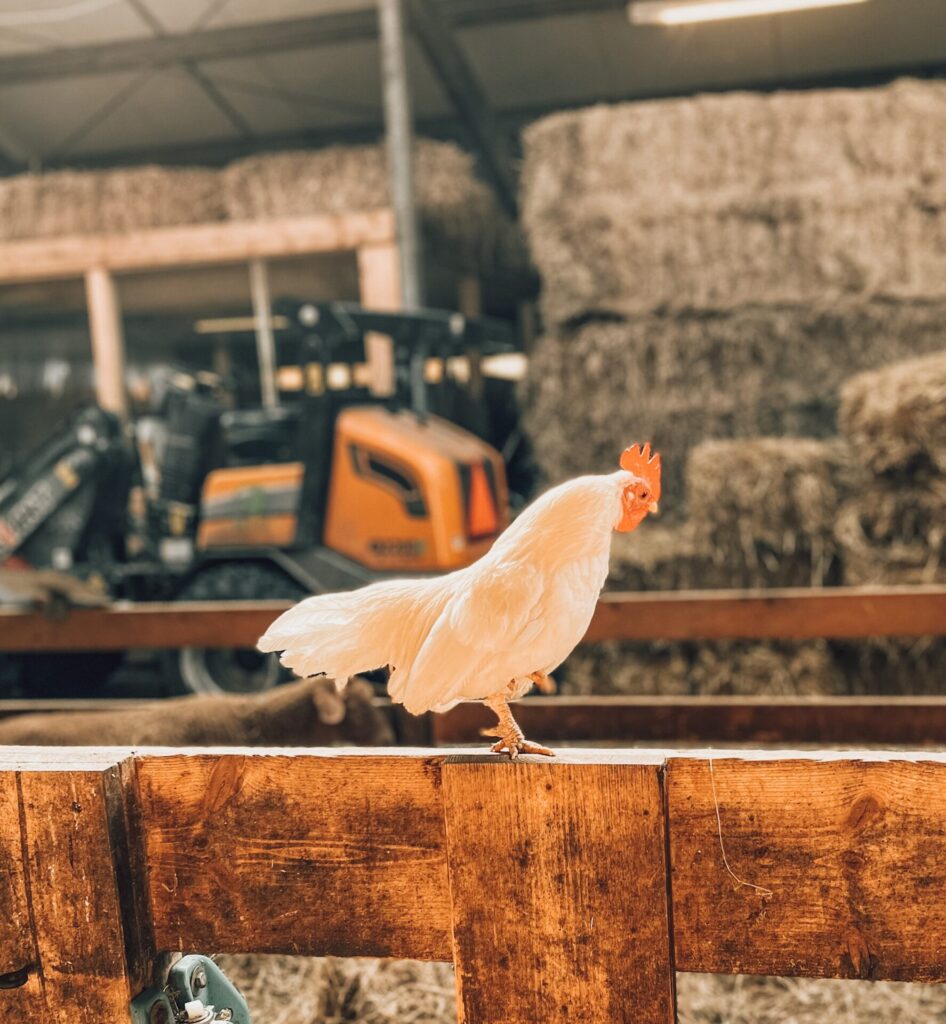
511	738
543	683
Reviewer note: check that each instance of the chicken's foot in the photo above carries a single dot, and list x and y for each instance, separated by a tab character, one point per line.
511	738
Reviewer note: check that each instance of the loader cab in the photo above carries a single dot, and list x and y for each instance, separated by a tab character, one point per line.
379	482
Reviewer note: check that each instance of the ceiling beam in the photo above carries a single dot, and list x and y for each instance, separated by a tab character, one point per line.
330	28
459	81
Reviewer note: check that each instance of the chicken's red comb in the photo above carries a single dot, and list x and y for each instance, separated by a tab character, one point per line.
642	464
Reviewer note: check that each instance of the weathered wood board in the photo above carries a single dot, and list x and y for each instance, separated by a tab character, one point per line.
296	854
559	888
853	854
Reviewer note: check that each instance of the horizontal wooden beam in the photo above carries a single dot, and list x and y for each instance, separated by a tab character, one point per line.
189	245
812	867
774	615
796	614
826	721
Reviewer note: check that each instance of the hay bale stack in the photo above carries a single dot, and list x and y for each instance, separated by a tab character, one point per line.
766	507
459	213
719	667
717	200
893	528
680	380
105	202
661	558
895	417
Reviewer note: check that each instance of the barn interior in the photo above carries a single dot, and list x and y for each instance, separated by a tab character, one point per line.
253	258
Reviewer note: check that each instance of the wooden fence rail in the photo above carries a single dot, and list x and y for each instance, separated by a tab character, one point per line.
677	615
564	890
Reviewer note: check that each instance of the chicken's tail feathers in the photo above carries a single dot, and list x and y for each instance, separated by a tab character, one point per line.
336	634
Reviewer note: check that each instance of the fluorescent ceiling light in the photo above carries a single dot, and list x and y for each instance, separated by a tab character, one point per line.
689	12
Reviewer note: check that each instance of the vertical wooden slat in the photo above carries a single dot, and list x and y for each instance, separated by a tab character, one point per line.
558	880
108	341
73	890
379	286
265	339
17	948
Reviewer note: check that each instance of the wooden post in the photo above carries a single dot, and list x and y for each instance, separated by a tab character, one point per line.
108	340
379	281
265	339
68	903
558	878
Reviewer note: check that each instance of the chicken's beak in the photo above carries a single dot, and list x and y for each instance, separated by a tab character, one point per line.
653	508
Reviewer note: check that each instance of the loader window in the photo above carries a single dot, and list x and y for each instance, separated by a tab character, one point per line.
369	464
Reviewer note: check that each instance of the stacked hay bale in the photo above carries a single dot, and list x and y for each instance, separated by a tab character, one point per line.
459	213
892	528
105	202
714	268
711	266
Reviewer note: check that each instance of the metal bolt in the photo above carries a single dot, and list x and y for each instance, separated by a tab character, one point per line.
199	979
225	1014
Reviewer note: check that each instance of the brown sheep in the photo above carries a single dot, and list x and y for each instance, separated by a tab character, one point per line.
309	712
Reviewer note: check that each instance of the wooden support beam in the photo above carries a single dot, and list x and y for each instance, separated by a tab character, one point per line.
265	339
558	882
42	259
108	340
836	863
791	614
379	287
797	614
827	721
69	883
459	81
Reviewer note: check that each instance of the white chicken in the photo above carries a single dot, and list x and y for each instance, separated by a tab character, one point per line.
492	630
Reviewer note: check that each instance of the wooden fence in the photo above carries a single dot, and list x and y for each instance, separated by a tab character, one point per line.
566	890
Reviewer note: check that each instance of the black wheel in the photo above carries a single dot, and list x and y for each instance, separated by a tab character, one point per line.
232	669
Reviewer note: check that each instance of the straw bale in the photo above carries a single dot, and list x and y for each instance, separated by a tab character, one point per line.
290	990
766	507
744	999
459	213
893	666
336	990
706	668
109	201
743	139
894	533
678	380
895	417
657	557
616	254
714	200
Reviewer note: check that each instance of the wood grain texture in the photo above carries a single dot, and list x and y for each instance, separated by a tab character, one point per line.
786	614
296	854
850	721
559	890
854	853
43	259
73	890
17	949
798	614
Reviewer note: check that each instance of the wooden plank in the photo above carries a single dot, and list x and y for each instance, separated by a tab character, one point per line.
793	614
850	855
74	895
796	614
192	244
17	948
559	886
108	340
296	854
892	721
379	287
179	624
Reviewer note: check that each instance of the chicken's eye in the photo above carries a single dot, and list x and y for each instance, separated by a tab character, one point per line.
643	495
